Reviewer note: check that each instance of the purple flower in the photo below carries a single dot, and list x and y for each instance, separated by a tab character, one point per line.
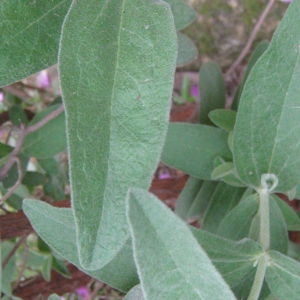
43	79
83	292
164	176
194	90
1	96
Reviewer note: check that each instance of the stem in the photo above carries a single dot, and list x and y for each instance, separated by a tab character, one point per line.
252	37
264	219
22	135
11	160
17	183
13	250
45	120
264	239
259	277
268	184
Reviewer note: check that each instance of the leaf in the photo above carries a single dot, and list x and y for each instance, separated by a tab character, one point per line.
60	267
291	218
17	115
187	51
30	32
116	85
193	148
13	173
5	150
234	260
40	262
182	269
256	54
224	198
49	139
223	118
227	173
34	178
4	153
278	229
237	222
293	250
56	175
283	276
183	14
8	271
135	293
202	200
187	196
266	137
56	227
212	90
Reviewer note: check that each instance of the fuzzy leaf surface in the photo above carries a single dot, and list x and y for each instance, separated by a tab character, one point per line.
283	276
256	54
187	51
222	201
193	148
116	86
30	32
237	222
234	260
170	262
223	118
266	135
187	196
183	13
56	227
291	218
135	293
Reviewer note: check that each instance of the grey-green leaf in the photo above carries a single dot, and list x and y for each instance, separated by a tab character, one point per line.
183	13
283	276
266	135
212	90
278	228
50	139
222	201
234	260
256	54
237	222
176	267
187	196
116	63
193	148
30	32
56	227
135	293
187	51
223	118
291	218
202	200
8	272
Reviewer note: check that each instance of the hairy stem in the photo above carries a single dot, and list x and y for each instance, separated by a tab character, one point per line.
259	277
268	184
264	219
